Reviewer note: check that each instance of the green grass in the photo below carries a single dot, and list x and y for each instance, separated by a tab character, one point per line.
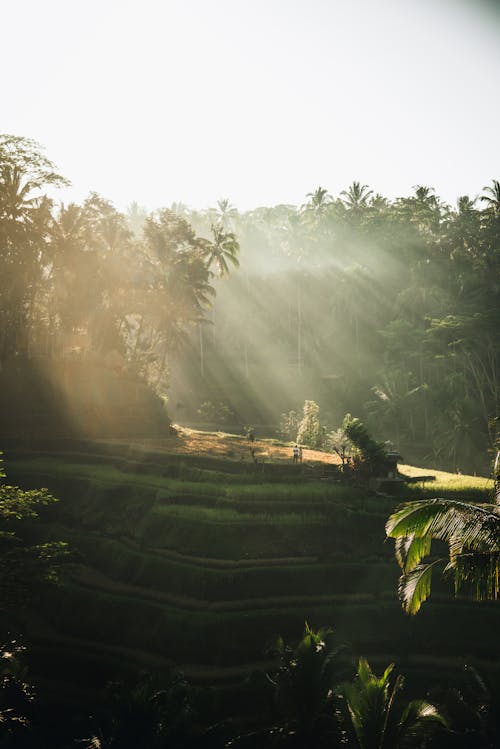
119	514
296	492
230	516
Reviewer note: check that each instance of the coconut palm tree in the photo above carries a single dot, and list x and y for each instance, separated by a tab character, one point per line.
472	533
378	719
226	213
222	250
465	204
356	196
318	201
492	196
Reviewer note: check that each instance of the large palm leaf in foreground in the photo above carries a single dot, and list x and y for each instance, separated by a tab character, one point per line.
472	533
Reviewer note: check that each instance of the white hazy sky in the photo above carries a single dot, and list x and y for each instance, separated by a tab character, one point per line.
260	101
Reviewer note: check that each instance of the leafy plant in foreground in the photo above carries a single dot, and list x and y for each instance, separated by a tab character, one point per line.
305	686
378	719
472	534
22	565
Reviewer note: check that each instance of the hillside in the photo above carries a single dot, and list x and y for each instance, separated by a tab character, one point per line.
187	552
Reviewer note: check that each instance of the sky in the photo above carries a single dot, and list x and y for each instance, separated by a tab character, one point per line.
259	101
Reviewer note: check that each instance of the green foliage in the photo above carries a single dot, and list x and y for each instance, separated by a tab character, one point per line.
309	430
373	453
216	412
472	534
304	684
23	566
289	425
338	442
150	712
16	696
378	719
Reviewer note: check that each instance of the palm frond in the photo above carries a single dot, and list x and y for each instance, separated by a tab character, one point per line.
419	718
410	550
477	573
414	588
476	526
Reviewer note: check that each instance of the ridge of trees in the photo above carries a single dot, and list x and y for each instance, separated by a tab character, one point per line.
395	303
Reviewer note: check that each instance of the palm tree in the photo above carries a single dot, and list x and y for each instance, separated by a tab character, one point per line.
356	196
304	685
492	197
16	195
136	215
223	249
472	533
424	194
465	204
378	719
319	200
226	213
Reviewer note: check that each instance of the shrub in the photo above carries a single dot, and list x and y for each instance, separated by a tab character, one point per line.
309	432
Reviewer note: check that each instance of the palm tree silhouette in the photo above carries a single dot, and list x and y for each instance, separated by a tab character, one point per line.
492	196
356	196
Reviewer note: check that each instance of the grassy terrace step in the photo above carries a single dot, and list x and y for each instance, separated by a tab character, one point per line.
234	637
93	578
226	564
153	571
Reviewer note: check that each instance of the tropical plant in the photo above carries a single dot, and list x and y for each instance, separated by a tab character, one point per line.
309	431
24	566
289	424
146	713
472	534
222	250
318	201
472	709
373	454
226	213
305	686
491	196
338	442
378	718
216	412
356	196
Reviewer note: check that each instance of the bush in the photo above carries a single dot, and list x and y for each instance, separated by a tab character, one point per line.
309	433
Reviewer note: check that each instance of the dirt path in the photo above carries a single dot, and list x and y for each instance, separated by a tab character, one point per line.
231	446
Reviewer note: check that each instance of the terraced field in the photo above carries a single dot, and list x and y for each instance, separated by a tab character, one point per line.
202	561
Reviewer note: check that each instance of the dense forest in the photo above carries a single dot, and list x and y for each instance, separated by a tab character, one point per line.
386	308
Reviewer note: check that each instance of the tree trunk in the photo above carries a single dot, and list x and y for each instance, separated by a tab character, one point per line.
202	357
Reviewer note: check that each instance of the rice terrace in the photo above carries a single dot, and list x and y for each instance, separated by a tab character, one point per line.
249	375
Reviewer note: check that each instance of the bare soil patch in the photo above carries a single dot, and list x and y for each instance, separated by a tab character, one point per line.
233	447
